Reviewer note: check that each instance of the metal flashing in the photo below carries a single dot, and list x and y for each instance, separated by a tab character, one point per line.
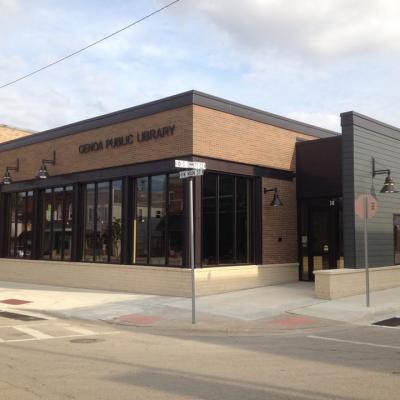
363	121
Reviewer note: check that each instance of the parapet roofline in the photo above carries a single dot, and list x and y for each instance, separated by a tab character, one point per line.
192	97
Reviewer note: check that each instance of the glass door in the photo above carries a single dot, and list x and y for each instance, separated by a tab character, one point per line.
321	236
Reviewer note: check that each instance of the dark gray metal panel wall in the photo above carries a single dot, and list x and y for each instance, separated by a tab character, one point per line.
365	138
348	196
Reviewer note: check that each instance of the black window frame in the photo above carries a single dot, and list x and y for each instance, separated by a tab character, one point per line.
167	217
42	216
109	217
13	198
251	221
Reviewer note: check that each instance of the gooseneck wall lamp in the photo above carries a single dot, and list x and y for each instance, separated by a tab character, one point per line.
276	201
389	185
7	180
43	173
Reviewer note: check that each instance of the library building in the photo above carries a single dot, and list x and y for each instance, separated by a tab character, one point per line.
100	204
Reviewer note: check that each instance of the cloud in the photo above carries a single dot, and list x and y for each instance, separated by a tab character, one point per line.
323	30
324	120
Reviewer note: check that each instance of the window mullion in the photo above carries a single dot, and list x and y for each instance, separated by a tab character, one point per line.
166	234
149	196
110	239
95	222
51	225
217	220
63	224
234	219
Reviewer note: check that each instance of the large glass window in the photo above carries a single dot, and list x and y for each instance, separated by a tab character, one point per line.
157	219
158	223
89	237
226	219
140	224
116	221
175	220
21	216
103	222
57	223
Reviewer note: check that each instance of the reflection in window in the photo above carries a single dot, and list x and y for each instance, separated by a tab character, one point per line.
21	232
226	219
57	224
13	226
21	216
140	250
67	238
116	221
175	220
47	223
103	222
158	223
157	219
89	241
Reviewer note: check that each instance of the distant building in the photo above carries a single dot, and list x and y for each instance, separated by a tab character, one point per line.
8	133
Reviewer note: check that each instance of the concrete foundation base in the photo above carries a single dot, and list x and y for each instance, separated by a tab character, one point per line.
337	283
144	279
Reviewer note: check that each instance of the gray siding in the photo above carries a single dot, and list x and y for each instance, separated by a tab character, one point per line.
364	138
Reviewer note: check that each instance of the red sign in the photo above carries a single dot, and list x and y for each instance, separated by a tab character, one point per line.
372	204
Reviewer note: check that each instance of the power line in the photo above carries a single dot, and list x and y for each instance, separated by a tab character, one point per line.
89	45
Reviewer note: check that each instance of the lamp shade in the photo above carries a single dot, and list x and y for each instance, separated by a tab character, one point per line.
388	186
276	201
7	178
42	173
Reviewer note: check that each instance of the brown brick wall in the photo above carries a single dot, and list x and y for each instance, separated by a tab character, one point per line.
70	160
199	130
225	136
9	133
279	222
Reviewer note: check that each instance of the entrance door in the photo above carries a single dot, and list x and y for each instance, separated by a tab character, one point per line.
323	234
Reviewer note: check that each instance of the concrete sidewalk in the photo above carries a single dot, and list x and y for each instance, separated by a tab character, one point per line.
245	309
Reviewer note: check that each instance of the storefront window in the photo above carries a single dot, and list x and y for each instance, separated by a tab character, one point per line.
140	250
210	219
13	226
158	223
57	224
157	219
175	220
226	219
116	221
243	220
102	225
89	239
21	216
103	222
67	240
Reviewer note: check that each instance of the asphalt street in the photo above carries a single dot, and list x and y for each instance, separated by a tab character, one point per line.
73	359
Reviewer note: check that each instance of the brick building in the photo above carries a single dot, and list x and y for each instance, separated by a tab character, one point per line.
99	203
10	132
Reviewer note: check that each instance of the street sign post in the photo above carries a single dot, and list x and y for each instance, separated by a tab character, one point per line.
366	206
197	169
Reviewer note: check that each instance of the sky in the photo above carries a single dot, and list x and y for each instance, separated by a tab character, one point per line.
304	59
